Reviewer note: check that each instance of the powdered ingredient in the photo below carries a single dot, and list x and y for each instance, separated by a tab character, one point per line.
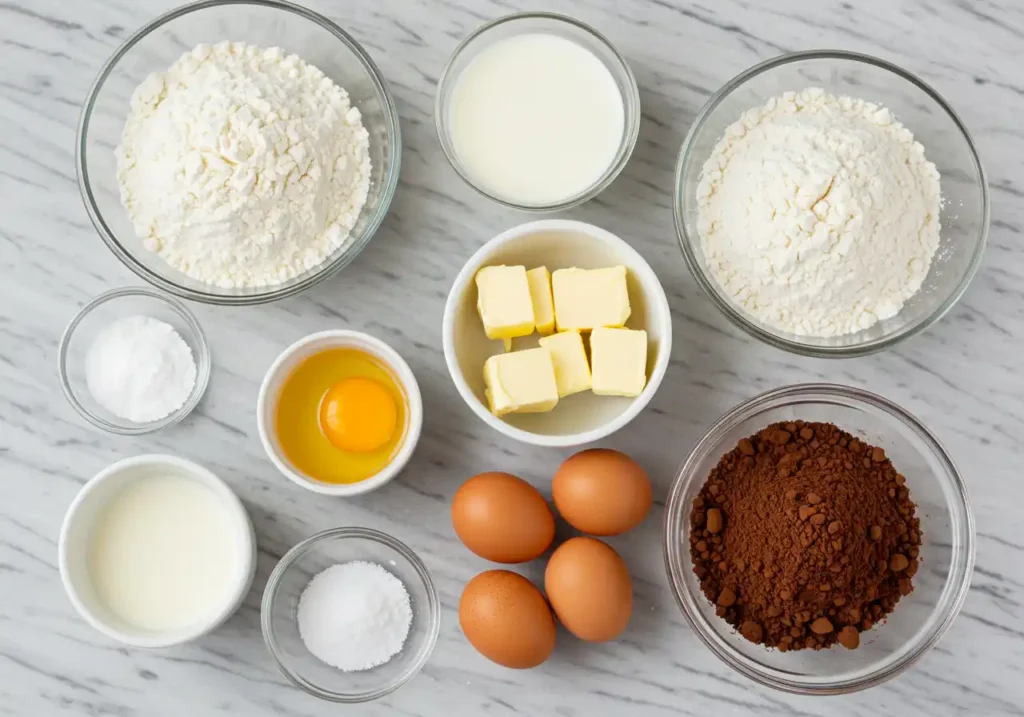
804	536
354	616
140	369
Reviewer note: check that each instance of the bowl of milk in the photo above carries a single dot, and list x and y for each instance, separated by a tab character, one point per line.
156	551
537	111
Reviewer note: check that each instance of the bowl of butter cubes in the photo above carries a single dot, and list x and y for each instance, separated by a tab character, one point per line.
557	333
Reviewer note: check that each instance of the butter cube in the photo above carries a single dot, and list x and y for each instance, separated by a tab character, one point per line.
572	371
618	359
503	300
588	298
521	382
543	304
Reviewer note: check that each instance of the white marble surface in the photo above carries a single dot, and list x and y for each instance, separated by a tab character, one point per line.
963	377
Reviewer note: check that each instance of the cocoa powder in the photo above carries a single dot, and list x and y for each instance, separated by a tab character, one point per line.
804	536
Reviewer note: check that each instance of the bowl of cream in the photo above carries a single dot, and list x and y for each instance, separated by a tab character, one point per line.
156	551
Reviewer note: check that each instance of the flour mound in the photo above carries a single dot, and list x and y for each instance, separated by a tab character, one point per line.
242	166
819	214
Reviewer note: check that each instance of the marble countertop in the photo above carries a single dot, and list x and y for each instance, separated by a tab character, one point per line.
963	377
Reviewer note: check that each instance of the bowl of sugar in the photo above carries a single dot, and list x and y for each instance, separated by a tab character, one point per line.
156	551
350	615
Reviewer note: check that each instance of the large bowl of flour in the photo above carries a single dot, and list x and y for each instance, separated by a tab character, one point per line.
830	203
238	152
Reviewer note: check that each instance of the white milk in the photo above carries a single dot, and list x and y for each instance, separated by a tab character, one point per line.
164	554
536	118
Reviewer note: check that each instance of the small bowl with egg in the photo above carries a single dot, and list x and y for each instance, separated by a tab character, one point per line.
339	413
156	551
617	370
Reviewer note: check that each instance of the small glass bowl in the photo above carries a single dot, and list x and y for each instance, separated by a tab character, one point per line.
96	316
947	550
266	23
290	578
550	24
965	210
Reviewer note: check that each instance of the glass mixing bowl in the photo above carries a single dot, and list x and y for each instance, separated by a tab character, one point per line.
267	23
965	210
291	576
947	550
551	24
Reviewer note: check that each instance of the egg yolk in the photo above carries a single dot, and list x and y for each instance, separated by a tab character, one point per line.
358	415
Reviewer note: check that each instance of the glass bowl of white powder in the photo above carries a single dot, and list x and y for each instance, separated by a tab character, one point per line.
238	152
133	361
830	204
350	614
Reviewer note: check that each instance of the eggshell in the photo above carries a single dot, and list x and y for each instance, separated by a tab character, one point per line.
589	589
507	619
502	518
602	492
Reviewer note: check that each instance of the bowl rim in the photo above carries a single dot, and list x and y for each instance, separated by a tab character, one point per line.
630	102
403	373
677	560
242	524
655	298
708	284
203	362
325	270
345	533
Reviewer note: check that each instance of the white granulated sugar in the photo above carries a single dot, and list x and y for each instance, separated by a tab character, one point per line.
819	214
354	616
242	166
140	369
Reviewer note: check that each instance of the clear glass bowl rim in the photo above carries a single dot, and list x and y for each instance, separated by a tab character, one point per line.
677	558
203	361
737	317
630	132
297	552
389	183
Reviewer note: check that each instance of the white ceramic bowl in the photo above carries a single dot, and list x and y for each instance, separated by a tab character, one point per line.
312	344
556	244
80	521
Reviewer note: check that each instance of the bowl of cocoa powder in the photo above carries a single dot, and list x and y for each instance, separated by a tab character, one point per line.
819	539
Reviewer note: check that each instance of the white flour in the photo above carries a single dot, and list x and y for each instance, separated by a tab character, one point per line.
140	369
818	214
242	166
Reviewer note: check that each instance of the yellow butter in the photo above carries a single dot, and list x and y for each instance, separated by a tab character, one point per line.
521	382
587	298
543	303
504	303
572	371
618	361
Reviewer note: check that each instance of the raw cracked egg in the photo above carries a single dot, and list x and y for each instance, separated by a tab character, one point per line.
505	617
340	416
602	492
502	518
589	588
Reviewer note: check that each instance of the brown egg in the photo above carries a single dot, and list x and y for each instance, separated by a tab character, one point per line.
589	589
506	619
602	492
502	518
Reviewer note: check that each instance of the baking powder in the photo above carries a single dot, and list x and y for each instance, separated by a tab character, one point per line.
354	616
819	214
140	369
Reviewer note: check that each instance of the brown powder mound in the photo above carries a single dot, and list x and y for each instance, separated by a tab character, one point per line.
804	536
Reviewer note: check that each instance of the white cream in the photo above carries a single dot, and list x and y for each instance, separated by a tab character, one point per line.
164	554
536	119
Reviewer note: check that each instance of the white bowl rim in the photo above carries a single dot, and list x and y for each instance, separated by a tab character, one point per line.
405	376
244	530
654	296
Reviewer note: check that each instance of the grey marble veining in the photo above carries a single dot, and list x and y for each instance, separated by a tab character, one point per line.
963	377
